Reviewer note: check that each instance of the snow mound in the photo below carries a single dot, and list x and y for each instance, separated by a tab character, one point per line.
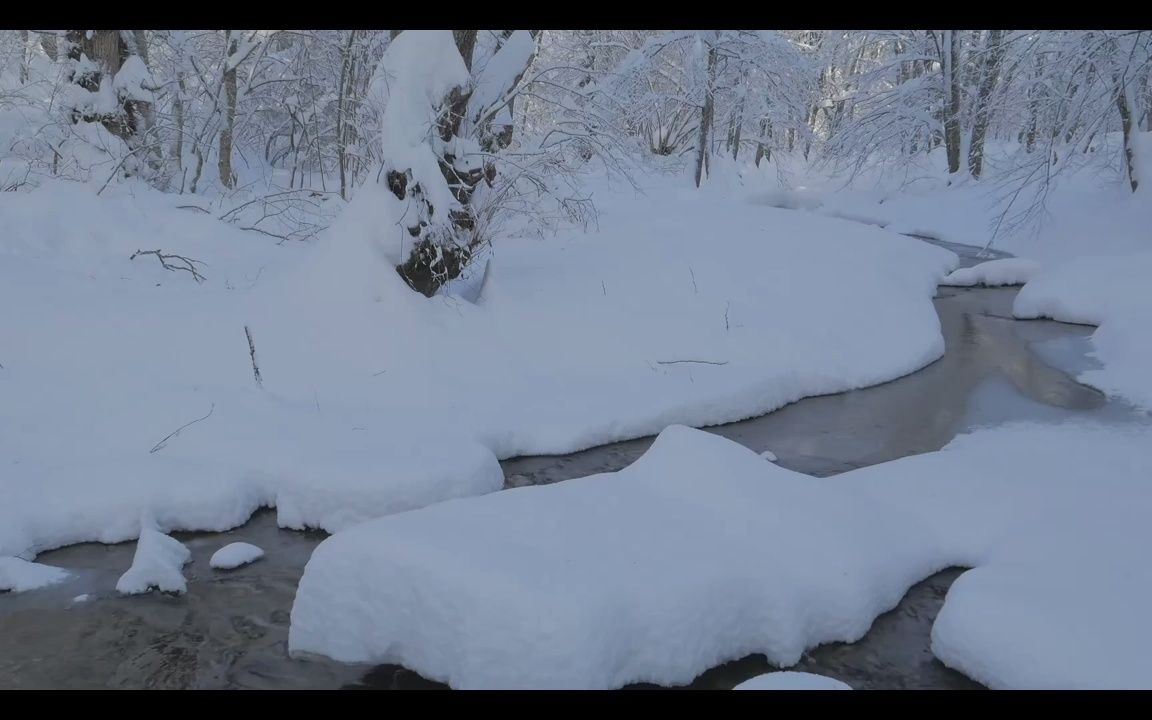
1110	291
1006	271
768	455
18	575
158	563
701	552
792	681
1060	588
698	553
234	555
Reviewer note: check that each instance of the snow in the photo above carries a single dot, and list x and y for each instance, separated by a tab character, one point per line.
500	72
684	560
792	681
1005	271
133	80
418	70
81	598
1110	291
158	563
17	575
233	555
1059	592
377	400
768	455
701	553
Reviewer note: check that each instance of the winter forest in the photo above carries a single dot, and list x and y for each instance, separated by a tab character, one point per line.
575	359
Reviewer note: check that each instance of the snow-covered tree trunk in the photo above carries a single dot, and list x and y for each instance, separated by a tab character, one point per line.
119	104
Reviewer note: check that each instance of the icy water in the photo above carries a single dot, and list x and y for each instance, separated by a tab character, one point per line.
230	630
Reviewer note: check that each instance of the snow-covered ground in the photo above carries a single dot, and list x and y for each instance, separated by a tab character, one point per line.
683	308
792	681
1111	291
702	552
993	273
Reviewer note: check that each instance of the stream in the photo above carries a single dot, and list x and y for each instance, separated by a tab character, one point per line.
231	629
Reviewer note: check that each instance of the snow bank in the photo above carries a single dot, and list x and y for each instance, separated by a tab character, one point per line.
685	308
18	575
792	681
681	310
684	560
158	563
1054	521
701	552
233	555
1006	271
1110	291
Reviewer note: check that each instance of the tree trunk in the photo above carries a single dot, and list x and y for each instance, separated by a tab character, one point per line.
951	52
341	98
23	56
763	149
48	41
178	116
224	162
738	120
1125	111
983	114
107	50
465	43
706	113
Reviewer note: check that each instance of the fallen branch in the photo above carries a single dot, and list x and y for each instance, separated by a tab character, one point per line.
699	362
160	445
252	354
189	265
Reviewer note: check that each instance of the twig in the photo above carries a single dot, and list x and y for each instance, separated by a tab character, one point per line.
604	288
694	288
188	266
375	374
726	315
252	354
700	362
160	445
